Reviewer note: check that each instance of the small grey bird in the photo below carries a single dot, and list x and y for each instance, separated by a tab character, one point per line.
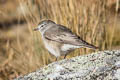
59	40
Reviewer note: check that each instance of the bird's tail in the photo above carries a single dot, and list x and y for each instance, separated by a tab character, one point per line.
88	45
91	46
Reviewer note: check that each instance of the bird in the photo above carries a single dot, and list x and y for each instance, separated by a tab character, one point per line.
60	40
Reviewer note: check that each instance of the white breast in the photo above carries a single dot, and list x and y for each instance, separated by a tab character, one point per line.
51	49
67	47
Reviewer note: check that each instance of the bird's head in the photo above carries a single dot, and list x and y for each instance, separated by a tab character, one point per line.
44	25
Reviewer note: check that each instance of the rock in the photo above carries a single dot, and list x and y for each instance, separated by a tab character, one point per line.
104	65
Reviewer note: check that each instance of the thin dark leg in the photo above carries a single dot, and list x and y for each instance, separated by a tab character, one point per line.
65	56
56	58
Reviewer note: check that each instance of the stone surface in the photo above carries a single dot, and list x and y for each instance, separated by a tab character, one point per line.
104	65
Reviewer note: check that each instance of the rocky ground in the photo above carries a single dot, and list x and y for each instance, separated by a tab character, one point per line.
21	49
104	65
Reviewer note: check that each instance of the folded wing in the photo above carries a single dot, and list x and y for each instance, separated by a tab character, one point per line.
64	35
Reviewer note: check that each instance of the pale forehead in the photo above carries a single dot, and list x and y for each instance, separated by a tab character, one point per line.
46	22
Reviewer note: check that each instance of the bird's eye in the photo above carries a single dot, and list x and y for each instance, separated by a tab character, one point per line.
42	25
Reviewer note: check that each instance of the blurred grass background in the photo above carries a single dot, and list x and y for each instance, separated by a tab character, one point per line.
22	50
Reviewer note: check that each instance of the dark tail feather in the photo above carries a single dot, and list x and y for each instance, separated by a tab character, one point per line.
91	46
88	45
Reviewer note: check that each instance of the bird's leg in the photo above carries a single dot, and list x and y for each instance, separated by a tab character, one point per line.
56	58
65	56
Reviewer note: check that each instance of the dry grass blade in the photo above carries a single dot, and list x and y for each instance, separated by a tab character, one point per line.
89	19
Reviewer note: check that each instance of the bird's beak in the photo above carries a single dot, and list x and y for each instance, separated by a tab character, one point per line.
36	29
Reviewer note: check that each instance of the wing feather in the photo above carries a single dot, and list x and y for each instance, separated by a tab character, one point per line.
61	34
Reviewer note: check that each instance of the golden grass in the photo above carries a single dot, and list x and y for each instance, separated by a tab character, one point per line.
22	50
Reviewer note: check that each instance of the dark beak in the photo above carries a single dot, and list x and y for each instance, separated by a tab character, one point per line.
36	29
